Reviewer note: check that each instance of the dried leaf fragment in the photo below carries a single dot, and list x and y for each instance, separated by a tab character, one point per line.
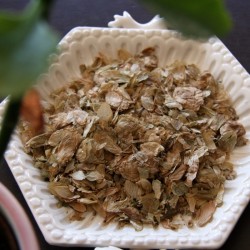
205	213
190	97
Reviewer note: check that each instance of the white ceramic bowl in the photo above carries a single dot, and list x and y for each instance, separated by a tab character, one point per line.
81	46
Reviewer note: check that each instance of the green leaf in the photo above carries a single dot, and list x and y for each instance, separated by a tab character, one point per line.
26	41
194	18
20	68
15	26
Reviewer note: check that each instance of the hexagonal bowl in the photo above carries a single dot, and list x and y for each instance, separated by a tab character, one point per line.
80	46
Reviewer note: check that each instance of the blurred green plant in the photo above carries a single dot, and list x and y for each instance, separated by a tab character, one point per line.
193	18
26	41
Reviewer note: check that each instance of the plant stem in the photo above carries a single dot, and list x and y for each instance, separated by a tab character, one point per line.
9	122
46	8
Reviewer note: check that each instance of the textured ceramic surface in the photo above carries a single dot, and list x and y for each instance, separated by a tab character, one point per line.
80	46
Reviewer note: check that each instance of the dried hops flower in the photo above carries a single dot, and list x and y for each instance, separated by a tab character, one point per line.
137	143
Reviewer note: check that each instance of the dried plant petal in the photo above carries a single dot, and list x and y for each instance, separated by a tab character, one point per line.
132	190
38	141
156	185
149	203
104	112
62	191
79	207
205	213
189	97
66	142
78	175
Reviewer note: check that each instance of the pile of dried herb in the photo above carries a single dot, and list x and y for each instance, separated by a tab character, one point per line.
137	143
